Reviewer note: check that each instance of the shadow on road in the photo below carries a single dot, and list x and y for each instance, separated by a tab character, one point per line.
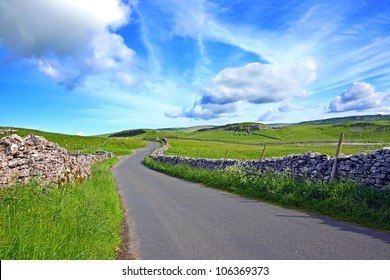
338	225
344	226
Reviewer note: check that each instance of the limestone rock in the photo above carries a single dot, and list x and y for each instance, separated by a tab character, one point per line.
22	159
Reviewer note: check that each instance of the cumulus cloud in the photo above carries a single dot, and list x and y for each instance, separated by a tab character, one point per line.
204	111
254	83
67	39
260	83
61	26
359	97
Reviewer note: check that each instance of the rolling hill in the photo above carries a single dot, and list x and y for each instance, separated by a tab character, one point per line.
361	133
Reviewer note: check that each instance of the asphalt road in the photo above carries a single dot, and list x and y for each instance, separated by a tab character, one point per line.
173	219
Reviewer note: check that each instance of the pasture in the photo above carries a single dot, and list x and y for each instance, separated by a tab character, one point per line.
218	142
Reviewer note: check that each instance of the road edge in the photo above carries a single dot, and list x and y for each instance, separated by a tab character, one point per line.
128	248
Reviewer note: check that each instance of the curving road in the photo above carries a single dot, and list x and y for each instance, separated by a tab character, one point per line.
173	219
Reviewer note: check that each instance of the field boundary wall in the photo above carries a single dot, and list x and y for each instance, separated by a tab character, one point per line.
22	159
371	170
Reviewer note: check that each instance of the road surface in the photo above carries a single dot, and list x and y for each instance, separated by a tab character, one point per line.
173	219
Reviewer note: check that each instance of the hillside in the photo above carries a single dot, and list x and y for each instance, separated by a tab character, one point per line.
254	132
129	133
245	126
361	133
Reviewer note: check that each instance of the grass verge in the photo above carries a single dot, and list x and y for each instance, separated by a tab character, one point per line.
345	201
69	222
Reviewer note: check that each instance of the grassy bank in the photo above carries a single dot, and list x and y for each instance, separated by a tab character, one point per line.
345	200
67	223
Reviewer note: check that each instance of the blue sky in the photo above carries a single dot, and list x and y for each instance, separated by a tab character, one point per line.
91	67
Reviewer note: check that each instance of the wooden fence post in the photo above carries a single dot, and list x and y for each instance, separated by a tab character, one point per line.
334	167
262	154
261	157
177	157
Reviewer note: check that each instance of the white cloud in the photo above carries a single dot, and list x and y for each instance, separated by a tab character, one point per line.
204	111
287	106
47	67
61	26
67	39
254	83
109	52
359	97
260	83
384	110
190	17
81	134
271	115
276	114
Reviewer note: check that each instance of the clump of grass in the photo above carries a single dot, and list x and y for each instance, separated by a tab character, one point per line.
74	221
344	200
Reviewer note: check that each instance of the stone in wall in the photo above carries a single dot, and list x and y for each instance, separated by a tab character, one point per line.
162	149
22	159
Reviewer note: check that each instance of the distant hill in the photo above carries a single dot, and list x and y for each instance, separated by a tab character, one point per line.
245	126
348	119
128	133
187	129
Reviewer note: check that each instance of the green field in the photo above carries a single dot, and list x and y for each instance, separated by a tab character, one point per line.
353	132
216	142
241	141
217	150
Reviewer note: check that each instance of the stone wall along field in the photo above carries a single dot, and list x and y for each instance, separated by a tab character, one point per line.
371	170
22	159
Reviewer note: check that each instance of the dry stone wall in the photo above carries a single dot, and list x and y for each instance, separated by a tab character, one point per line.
162	149
22	159
371	170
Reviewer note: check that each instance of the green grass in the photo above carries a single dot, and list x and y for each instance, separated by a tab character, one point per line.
356	132
210	149
295	139
70	222
359	136
123	146
87	144
344	200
